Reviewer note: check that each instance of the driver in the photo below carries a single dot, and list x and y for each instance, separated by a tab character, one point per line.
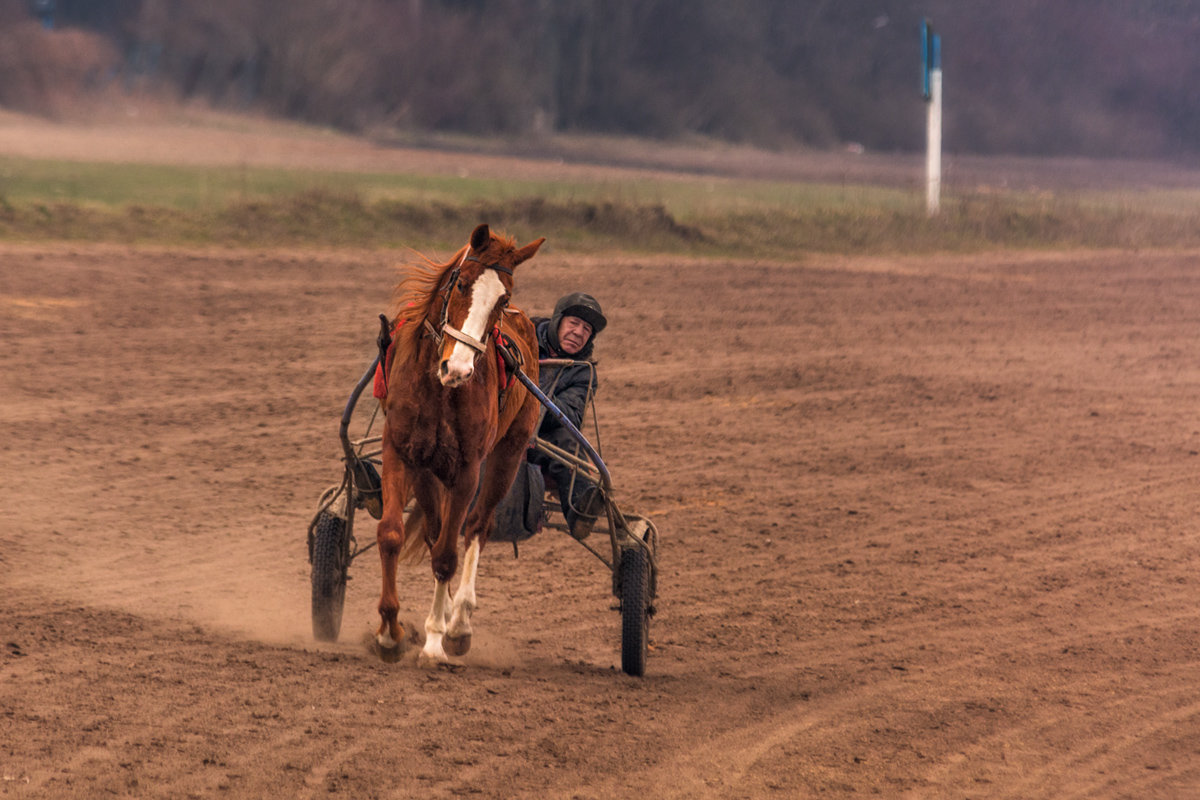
570	333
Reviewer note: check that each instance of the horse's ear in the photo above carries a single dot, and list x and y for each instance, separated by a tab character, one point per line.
480	237
527	252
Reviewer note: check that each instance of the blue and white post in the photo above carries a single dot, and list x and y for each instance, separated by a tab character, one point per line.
931	56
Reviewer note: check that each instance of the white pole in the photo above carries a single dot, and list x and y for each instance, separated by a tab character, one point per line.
933	144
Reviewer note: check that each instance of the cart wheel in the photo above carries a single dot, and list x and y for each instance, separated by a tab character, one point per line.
635	610
328	576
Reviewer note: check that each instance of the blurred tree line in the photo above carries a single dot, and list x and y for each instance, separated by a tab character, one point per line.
1085	77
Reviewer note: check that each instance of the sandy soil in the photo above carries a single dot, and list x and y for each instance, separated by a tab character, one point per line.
928	530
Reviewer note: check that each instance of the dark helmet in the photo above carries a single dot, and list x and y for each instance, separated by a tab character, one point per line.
584	306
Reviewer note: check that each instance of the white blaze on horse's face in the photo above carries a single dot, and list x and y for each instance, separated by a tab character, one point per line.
485	293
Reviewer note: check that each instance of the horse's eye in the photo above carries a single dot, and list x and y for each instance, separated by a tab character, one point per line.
462	288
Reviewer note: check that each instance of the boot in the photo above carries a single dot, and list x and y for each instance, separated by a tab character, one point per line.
587	510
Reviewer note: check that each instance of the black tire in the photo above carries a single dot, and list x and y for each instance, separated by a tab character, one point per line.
328	576
635	610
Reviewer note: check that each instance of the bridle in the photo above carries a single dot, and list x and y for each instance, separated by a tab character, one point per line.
444	328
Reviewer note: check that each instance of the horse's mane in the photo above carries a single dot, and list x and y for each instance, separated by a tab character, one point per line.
414	295
412	298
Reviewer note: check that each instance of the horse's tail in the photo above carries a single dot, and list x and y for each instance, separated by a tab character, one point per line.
415	549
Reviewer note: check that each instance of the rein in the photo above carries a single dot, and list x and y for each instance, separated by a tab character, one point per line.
444	328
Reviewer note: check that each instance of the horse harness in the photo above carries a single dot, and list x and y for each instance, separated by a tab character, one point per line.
509	355
444	328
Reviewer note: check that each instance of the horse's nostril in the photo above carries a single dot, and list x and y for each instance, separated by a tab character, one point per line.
444	369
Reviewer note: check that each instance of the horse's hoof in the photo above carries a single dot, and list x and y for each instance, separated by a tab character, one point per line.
390	655
428	661
390	650
457	645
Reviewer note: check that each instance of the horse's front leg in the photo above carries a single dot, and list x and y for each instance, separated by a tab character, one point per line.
390	538
444	560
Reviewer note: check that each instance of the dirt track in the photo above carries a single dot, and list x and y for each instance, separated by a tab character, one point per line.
928	530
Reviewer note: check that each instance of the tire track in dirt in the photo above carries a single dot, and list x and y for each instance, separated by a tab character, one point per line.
721	764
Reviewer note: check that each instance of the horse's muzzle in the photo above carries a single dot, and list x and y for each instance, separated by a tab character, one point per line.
454	376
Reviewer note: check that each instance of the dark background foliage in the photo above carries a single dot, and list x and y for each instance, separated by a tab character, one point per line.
1080	77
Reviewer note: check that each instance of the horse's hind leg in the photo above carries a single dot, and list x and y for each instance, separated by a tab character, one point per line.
390	537
458	632
500	469
435	625
444	559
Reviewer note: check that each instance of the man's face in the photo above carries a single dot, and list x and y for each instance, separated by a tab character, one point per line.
573	334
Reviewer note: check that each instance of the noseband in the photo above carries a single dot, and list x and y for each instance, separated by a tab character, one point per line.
444	328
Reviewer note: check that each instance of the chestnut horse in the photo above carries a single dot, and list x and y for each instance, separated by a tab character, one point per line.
452	433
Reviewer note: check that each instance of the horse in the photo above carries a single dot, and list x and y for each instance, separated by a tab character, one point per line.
452	433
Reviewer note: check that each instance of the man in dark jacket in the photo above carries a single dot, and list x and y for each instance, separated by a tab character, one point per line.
570	333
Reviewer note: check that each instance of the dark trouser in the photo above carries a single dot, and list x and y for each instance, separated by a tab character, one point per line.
570	496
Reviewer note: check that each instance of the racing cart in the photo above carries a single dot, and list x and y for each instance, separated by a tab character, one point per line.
531	506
